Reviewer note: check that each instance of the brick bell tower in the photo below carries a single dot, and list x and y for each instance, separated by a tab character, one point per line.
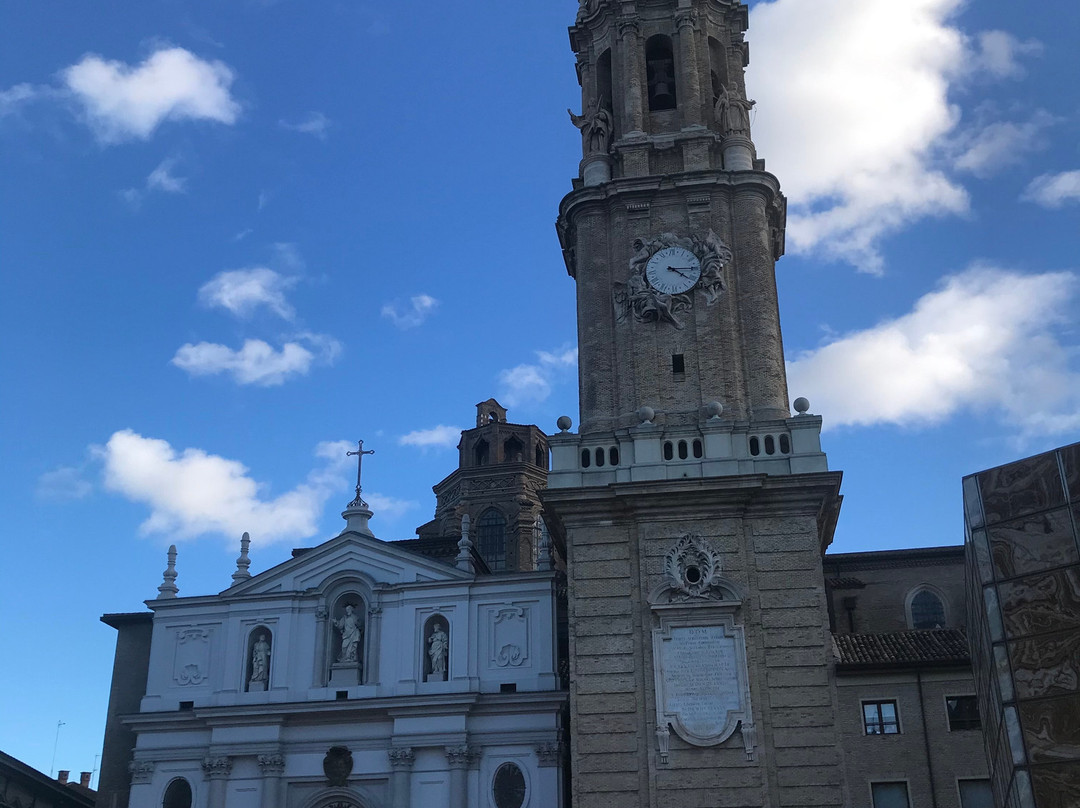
694	507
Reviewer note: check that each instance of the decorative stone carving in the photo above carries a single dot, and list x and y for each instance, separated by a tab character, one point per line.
550	754
242	562
691	568
460	756
351	628
260	660
401	757
142	771
509	637
192	660
639	299
733	113
438	651
272	765
168	587
596	126
337	765
217	768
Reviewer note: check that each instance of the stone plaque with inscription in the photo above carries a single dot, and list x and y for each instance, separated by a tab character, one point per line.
700	674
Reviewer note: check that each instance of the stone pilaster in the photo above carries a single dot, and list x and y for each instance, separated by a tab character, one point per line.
272	767
459	759
632	77
690	89
217	771
401	761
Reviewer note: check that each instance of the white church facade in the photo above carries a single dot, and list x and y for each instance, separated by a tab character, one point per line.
355	675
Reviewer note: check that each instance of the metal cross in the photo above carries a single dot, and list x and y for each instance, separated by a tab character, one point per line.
359	455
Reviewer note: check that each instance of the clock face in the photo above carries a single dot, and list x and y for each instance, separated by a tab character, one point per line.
673	270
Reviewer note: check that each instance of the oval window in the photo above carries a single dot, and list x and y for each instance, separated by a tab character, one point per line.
508	787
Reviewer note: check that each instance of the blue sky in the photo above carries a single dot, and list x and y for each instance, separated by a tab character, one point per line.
236	235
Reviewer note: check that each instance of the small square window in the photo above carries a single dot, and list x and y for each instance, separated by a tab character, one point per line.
976	794
678	363
963	712
890	795
879	718
187	705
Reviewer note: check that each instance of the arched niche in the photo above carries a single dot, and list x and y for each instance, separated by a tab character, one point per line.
260	649
177	794
603	80
347	656
351	797
718	69
660	73
436	648
513	450
926	608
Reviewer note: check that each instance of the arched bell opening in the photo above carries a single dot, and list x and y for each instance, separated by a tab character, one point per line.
660	70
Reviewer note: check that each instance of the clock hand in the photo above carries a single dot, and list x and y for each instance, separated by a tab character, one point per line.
679	271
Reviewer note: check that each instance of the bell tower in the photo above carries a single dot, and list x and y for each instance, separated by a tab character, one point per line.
694	507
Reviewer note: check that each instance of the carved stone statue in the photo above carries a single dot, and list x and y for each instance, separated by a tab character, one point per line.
351	630
438	651
260	660
596	126
733	113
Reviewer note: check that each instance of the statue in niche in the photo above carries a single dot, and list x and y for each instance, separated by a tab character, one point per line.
438	651
733	113
260	660
351	630
596	126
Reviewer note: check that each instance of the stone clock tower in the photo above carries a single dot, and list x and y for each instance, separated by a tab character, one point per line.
694	507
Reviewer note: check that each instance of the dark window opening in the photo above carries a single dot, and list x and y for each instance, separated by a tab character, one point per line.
491	539
683	454
513	451
586	458
177	795
976	794
660	70
613	456
755	447
599	457
341	695
541	457
480	453
785	444
603	80
187	705
669	451
890	795
508	786
770	445
879	718
508	687
927	611
963	712
678	363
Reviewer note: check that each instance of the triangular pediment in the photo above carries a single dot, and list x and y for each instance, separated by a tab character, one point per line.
379	562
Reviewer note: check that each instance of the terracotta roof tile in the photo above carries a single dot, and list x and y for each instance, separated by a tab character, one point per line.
946	646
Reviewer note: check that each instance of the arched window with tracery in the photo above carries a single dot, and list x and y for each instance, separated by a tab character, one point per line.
926	610
491	539
177	795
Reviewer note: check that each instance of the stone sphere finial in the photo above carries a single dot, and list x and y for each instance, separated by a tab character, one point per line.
802	405
646	414
564	423
714	409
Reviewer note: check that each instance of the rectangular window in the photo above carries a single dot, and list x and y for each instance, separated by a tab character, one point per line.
975	794
890	795
879	718
963	712
678	363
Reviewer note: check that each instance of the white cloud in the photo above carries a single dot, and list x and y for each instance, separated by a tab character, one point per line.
1054	190
162	179
257	362
389	507
998	54
1002	143
440	437
420	307
14	97
531	383
985	341
853	110
124	102
314	123
243	291
64	483
191	492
